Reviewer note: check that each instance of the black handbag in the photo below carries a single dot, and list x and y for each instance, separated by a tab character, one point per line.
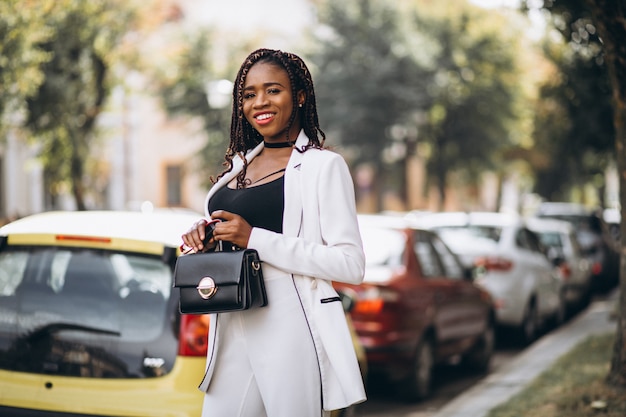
218	282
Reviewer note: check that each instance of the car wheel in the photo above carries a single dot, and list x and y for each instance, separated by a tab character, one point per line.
479	357
419	383
344	412
561	312
530	325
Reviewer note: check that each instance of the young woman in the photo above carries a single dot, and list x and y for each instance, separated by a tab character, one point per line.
286	196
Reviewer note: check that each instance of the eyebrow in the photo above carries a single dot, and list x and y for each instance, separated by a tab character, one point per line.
268	84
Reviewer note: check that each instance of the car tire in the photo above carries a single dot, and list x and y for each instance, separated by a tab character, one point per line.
344	412
529	329
561	312
418	385
479	357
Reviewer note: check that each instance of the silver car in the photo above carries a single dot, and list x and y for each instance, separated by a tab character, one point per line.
513	266
572	266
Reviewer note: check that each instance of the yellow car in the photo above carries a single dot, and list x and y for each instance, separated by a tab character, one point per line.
89	321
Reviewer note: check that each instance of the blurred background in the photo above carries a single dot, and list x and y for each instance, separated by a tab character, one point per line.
437	105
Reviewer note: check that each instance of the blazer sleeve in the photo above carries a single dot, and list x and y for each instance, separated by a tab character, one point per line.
329	246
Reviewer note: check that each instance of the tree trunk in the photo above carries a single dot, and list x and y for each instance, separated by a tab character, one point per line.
610	19
441	174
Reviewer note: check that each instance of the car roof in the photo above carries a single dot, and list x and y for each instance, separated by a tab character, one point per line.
460	218
547	224
383	220
161	227
562	208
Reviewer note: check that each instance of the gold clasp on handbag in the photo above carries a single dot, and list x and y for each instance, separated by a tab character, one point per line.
206	288
256	265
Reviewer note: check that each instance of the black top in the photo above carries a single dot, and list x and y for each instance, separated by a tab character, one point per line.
261	206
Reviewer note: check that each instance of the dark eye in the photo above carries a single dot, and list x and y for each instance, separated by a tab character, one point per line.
248	95
273	91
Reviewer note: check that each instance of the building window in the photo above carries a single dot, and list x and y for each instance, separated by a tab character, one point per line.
174	175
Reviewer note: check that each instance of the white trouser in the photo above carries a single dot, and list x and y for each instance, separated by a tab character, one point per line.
266	365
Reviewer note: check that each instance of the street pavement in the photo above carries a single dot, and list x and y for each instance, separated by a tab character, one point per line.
513	377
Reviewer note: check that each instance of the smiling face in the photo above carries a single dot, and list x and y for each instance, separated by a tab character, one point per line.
268	102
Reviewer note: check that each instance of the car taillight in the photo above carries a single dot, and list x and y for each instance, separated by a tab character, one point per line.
75	238
373	300
193	335
565	270
596	268
368	306
494	263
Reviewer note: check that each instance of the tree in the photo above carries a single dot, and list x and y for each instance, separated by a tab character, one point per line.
369	81
396	78
475	95
610	18
574	128
63	111
607	18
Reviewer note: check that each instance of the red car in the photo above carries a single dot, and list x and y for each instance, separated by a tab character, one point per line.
417	307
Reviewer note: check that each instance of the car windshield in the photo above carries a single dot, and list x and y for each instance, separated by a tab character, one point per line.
470	232
550	239
82	312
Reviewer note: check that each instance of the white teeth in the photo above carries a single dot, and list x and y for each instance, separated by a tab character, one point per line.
264	116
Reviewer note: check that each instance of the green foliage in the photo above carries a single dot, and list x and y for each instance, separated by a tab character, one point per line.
368	82
576	132
63	110
475	91
22	30
448	82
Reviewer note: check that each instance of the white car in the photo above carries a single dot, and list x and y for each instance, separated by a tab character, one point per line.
512	266
573	267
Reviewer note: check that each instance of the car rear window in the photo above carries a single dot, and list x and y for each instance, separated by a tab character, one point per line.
492	233
83	312
382	247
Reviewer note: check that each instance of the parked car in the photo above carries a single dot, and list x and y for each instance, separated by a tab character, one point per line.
613	219
559	237
594	237
513	266
89	321
416	307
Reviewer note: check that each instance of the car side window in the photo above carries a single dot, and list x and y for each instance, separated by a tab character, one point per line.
427	255
528	240
451	265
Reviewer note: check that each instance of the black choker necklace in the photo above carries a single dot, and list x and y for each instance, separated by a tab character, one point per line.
273	145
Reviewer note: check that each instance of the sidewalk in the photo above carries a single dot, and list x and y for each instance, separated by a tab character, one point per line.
509	380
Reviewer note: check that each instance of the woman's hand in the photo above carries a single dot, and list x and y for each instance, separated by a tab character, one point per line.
232	228
194	237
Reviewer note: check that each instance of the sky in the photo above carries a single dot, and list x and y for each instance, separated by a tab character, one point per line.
488	4
278	22
287	16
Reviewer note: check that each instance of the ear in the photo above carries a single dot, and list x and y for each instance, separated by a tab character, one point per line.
301	98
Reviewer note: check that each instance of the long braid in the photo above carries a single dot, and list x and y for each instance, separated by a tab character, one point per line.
243	136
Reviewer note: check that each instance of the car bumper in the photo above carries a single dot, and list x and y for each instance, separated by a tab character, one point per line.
173	395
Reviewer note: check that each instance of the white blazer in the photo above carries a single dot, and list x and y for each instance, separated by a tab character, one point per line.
320	243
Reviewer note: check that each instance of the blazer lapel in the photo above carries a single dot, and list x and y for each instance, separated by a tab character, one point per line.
292	217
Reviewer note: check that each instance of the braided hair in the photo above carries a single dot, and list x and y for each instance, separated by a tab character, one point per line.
243	136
